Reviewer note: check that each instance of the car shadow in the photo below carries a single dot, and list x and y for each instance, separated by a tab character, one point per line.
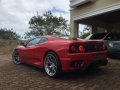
34	68
89	73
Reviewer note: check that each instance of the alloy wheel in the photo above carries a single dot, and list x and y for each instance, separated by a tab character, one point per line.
16	58
50	65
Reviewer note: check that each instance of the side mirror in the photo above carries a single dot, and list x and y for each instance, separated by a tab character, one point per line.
23	43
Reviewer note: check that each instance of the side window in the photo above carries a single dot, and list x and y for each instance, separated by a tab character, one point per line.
34	41
43	40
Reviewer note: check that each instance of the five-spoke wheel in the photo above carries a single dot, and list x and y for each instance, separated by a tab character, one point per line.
52	65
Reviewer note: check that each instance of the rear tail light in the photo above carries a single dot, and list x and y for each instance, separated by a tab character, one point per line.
76	48
81	48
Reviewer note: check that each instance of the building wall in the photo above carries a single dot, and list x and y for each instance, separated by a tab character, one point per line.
89	8
96	5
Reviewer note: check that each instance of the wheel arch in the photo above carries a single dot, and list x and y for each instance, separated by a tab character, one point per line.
54	53
16	50
48	52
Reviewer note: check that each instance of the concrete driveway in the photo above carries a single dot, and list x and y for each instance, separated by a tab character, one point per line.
25	77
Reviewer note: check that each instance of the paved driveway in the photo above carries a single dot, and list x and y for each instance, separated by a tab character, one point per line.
25	77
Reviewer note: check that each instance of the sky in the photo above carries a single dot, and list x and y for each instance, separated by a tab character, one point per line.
15	14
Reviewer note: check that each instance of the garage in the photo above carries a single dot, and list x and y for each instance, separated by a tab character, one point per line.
110	21
102	14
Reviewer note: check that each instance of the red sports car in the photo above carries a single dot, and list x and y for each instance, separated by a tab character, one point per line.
57	55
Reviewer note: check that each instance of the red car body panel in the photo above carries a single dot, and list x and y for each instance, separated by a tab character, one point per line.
35	54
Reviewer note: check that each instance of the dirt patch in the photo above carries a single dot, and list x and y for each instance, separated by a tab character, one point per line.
7	46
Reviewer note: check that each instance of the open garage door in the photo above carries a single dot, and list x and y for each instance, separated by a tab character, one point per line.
109	21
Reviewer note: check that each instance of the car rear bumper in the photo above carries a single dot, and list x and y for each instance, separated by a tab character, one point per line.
97	63
79	61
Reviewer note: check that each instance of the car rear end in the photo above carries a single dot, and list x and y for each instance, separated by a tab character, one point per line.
82	54
114	49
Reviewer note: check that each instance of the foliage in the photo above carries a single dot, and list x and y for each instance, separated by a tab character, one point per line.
47	24
8	34
7	46
86	32
87	28
84	35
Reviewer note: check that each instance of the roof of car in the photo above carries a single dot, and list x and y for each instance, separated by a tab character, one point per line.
60	38
53	37
102	33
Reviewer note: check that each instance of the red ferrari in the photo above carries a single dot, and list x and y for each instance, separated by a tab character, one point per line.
57	55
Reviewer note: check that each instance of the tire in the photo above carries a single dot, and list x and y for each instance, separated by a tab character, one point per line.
16	58
52	65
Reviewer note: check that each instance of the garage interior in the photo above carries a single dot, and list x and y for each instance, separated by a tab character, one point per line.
108	22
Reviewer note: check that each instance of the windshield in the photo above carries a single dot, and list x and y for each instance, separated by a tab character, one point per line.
113	36
98	36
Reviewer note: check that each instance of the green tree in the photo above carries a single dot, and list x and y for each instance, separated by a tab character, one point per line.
84	35
85	32
8	34
47	24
